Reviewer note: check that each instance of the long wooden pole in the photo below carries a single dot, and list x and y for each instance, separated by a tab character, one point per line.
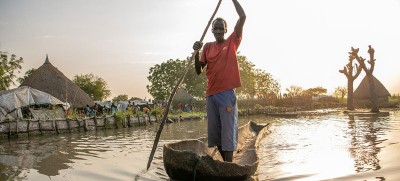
171	96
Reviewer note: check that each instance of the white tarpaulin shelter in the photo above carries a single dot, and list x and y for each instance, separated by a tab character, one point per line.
12	100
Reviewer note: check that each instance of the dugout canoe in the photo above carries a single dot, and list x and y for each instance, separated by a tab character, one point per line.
194	160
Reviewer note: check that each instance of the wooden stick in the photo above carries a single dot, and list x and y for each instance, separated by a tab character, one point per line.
16	127
171	96
40	127
69	125
56	126
79	124
95	121
9	129
27	128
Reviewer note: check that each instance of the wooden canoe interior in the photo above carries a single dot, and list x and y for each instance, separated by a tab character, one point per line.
245	153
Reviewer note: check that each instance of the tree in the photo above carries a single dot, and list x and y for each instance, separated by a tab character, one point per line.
348	72
163	77
255	82
135	99
27	74
294	91
195	84
247	77
265	84
341	92
316	91
93	85
370	77
122	97
8	68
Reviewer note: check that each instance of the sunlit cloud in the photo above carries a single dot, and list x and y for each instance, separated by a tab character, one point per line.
45	37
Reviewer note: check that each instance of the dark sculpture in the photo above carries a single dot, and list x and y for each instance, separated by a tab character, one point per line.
348	72
361	60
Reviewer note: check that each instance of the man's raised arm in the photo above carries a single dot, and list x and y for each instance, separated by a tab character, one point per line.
242	18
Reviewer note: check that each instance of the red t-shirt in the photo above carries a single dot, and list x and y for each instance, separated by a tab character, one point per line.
222	66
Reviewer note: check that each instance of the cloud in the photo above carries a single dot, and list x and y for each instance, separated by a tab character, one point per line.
45	37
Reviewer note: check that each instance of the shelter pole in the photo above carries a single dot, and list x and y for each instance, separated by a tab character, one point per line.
128	117
85	125
105	122
16	126
79	124
56	126
171	96
69	126
40	127
27	128
9	128
115	121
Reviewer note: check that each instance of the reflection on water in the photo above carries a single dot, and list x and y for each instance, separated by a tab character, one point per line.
340	146
364	142
344	147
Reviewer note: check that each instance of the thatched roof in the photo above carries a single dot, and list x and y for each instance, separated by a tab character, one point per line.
49	79
182	96
362	91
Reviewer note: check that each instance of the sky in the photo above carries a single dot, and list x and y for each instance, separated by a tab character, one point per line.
299	42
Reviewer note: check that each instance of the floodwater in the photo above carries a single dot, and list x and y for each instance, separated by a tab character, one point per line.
330	147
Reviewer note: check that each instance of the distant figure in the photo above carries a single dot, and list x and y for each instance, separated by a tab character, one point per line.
113	108
99	109
95	108
180	107
133	107
88	111
146	108
186	108
137	108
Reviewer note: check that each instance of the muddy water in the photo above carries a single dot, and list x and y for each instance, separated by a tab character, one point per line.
335	146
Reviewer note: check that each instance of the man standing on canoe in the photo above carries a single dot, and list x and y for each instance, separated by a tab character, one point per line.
222	78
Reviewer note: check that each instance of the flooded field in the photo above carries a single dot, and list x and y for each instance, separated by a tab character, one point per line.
336	146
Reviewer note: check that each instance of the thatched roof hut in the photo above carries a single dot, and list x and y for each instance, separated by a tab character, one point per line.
363	92
182	96
49	79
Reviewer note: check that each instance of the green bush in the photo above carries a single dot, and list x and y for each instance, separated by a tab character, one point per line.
72	113
121	115
156	112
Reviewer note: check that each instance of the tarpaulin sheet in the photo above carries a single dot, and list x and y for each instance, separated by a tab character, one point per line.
12	100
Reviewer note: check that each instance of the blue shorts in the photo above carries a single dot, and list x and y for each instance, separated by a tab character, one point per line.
222	120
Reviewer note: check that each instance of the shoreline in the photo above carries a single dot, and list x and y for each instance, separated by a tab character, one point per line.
26	128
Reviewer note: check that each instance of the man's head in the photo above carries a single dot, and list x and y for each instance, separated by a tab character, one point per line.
219	28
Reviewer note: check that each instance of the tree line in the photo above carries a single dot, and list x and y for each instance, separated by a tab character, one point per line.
256	83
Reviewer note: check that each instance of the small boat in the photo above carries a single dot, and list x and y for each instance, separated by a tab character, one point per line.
194	160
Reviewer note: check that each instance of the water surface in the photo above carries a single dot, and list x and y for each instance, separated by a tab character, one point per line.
334	146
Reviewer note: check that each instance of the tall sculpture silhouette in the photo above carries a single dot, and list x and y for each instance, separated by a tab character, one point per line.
361	60
348	72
